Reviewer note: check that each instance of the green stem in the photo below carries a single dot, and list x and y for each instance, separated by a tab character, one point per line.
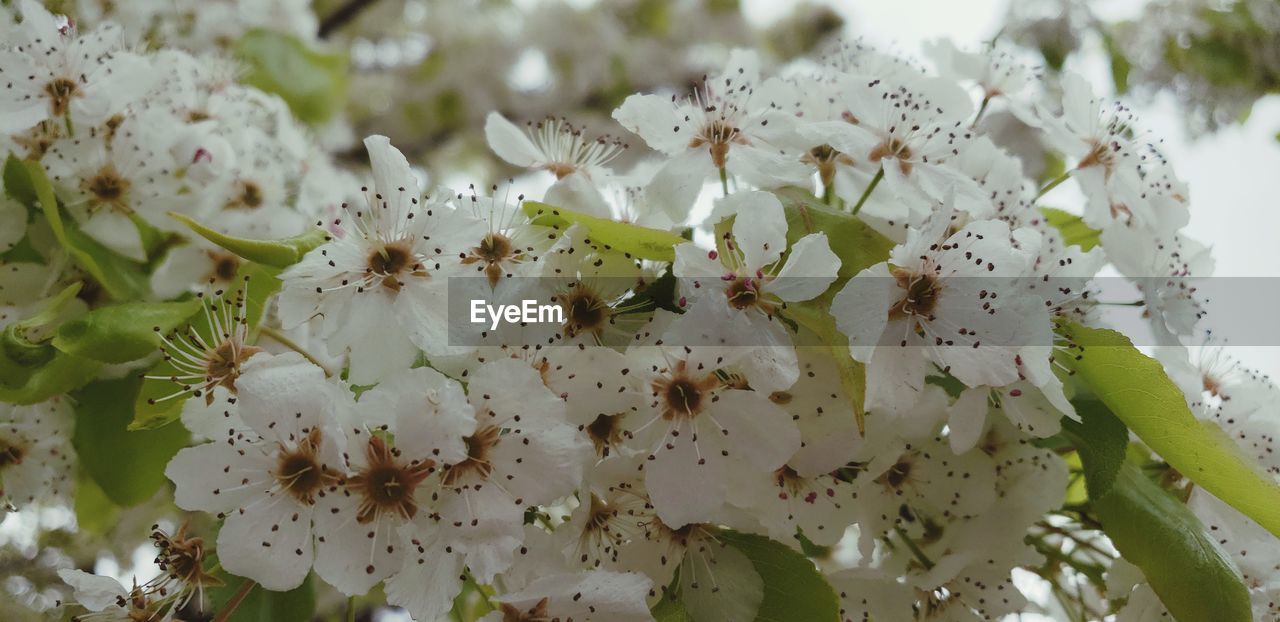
1053	184
351	609
724	181
283	340
915	550
875	181
235	601
981	110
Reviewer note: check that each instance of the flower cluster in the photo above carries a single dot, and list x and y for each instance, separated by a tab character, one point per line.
880	383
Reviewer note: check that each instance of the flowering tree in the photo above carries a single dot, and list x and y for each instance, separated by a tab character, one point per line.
814	345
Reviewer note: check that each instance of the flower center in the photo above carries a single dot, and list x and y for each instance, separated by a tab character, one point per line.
479	446
897	475
11	455
225	266
108	187
223	364
536	613
605	433
386	486
719	134
682	395
1099	155
585	311
492	251
248	196
60	92
744	292
299	472
893	148
921	298
825	158
392	260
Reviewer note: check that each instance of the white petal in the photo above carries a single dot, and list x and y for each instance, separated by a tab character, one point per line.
655	119
756	430
93	591
760	227
810	269
427	584
269	543
682	490
968	416
510	142
677	184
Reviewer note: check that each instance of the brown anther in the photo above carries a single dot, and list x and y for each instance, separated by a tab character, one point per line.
385	485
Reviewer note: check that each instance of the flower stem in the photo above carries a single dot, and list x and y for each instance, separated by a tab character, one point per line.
724	181
915	550
875	181
351	609
235	601
982	109
281	339
1053	184
342	16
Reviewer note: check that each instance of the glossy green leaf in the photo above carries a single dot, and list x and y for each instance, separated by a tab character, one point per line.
1192	575
122	278
151	408
1136	388
123	332
793	588
128	466
857	245
1074	231
626	238
311	82
25	342
275	253
262	605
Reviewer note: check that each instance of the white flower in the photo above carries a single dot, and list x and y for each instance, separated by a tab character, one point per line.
267	480
911	132
697	428
404	430
731	125
379	289
35	452
105	180
520	453
112	602
553	145
997	71
52	74
948	299
735	296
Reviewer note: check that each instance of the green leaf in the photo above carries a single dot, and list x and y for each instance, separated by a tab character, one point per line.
1074	231
129	466
1136	388
1107	446
63	373
1191	574
312	83
275	253
793	587
123	332
32	370
670	610
857	245
262	605
17	182
1120	65
150	408
95	513
631	240
122	278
